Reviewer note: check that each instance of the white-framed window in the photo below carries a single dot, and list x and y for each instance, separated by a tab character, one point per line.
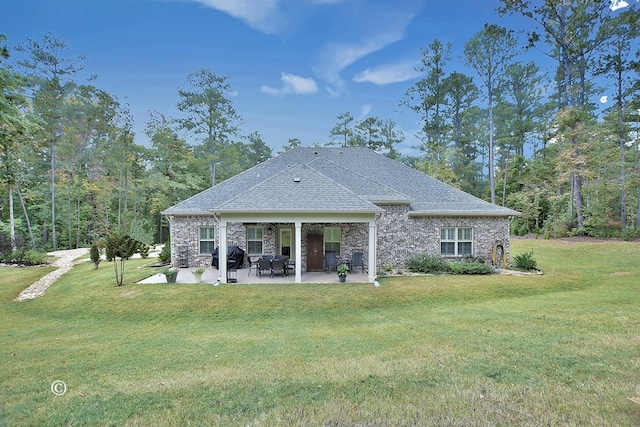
255	239
332	239
456	241
206	240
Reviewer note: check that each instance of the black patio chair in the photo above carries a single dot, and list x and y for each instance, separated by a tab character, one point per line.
330	261
264	265
357	260
278	267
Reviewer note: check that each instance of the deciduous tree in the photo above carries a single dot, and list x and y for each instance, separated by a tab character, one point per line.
17	128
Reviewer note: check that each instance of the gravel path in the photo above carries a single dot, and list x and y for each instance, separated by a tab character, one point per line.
64	264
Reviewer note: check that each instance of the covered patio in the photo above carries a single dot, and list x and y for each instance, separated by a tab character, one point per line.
299	273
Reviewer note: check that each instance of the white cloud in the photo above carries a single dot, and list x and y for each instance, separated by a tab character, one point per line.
618	4
263	15
339	56
387	74
368	29
292	84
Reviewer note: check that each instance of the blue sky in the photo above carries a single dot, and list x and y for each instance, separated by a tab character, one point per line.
294	64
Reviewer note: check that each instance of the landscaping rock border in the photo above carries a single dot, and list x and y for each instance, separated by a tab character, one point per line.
64	263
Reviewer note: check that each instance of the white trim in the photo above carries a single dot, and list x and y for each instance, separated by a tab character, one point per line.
456	240
292	247
373	255
222	252
200	239
298	236
256	226
462	214
292	217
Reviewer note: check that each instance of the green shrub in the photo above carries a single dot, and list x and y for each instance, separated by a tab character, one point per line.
630	233
33	257
94	253
165	254
525	261
426	263
473	258
23	256
470	268
16	256
143	250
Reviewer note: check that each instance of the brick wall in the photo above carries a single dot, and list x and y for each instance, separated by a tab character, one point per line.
184	230
399	236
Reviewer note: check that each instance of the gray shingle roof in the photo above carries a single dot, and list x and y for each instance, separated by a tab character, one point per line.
298	188
335	180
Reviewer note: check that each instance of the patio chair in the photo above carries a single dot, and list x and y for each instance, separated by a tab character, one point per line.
357	260
290	266
278	267
330	261
264	265
253	265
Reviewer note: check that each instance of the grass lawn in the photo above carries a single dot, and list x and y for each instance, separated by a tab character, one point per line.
558	349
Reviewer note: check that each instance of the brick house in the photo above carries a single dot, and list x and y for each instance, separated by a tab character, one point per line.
310	200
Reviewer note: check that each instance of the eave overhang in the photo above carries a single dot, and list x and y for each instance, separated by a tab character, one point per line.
462	214
296	212
186	213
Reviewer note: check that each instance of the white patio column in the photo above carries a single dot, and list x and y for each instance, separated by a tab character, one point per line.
222	252
372	251
298	252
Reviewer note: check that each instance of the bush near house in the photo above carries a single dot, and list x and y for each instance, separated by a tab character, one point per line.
164	256
471	268
525	261
436	264
429	264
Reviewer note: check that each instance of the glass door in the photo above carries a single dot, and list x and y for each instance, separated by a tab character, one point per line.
286	243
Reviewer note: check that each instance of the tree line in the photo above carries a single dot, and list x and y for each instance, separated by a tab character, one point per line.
520	136
529	138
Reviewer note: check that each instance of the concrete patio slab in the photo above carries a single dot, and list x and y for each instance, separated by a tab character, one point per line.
211	275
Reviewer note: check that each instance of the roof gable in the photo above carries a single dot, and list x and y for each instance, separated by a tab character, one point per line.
298	188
